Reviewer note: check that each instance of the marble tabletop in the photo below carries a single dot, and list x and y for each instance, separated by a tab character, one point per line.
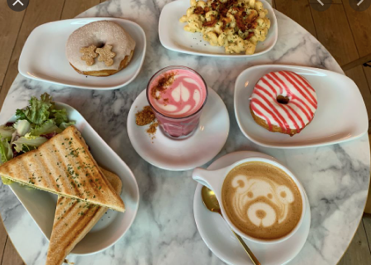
335	177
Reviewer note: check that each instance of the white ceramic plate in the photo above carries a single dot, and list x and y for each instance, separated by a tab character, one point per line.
175	38
113	225
219	238
341	114
44	58
195	151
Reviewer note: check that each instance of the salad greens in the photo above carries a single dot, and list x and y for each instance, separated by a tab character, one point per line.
34	125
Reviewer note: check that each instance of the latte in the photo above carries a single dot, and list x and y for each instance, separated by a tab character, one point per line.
262	200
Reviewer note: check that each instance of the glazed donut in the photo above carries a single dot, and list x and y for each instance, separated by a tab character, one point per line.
100	34
283	102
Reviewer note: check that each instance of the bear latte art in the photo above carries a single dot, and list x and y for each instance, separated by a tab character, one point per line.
261	200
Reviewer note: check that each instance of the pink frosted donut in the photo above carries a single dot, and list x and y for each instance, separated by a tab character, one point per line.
283	102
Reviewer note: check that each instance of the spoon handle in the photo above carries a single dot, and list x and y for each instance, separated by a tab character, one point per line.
248	251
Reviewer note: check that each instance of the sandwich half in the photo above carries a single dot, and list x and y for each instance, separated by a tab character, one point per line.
73	219
64	165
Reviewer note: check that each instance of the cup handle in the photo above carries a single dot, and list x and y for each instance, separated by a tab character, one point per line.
206	177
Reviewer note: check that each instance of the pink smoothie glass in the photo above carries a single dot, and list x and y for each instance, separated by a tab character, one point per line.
178	103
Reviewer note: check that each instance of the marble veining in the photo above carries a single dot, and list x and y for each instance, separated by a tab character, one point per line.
335	177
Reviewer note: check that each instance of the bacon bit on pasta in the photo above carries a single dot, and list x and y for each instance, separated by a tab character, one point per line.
251	34
251	17
199	11
214	5
226	19
210	23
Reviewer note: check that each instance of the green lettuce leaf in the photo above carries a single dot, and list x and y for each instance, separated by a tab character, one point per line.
59	116
22	127
47	127
28	143
38	110
64	125
6	132
6	152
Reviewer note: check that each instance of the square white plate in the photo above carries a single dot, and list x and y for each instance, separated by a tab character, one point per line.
113	225
341	114
175	38
44	57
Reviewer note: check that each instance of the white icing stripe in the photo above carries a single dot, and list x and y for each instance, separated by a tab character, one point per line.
308	89
296	93
278	106
299	107
305	90
266	114
302	93
283	121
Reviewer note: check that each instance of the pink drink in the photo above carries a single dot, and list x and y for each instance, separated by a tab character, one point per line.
177	95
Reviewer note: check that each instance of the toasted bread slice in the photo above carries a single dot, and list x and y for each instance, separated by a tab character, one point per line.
64	166
73	220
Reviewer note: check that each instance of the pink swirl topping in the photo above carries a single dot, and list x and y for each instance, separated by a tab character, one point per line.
177	93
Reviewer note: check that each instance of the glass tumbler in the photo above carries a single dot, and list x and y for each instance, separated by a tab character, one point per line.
177	127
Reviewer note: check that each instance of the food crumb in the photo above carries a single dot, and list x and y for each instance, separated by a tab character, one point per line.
152	129
144	117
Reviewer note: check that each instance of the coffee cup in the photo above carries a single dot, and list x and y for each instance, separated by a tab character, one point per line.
260	199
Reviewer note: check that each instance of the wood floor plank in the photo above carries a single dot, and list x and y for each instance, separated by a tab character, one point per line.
358	76
367	225
299	11
72	7
358	251
3	238
360	26
11	255
38	12
367	71
334	33
357	62
10	23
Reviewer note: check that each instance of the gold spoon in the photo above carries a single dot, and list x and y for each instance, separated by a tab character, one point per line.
211	202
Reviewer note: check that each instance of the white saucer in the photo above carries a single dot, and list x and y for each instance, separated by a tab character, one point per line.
219	238
195	151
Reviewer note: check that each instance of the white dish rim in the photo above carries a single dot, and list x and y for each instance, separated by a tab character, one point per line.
237	56
132	176
252	155
293	67
25	74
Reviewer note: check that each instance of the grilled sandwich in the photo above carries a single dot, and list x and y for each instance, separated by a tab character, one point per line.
73	220
64	165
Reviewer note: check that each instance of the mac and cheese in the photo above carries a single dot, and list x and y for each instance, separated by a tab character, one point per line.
237	25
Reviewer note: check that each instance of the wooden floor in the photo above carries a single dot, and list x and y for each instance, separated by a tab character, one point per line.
343	31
